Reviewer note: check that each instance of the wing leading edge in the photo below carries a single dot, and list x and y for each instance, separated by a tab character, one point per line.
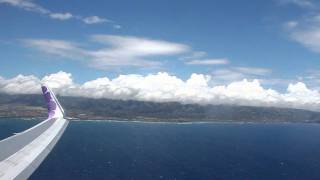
21	154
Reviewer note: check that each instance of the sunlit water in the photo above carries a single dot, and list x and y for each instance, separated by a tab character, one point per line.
147	151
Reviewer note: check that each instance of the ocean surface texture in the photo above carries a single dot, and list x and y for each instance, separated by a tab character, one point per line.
170	151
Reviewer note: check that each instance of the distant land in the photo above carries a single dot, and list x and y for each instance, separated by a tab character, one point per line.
28	106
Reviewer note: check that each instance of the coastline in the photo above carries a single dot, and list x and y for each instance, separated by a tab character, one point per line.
167	121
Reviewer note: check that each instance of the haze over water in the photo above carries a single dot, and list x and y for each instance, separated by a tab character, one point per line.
137	150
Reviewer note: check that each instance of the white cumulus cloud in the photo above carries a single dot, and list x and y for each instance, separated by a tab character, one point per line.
58	80
20	85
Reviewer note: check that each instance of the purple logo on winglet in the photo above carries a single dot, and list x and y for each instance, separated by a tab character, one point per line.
51	105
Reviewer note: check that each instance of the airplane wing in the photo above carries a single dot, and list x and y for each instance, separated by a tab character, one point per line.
21	154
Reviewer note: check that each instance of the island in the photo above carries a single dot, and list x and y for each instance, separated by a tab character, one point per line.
80	108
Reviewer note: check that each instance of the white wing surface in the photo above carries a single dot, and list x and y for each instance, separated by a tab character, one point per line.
21	154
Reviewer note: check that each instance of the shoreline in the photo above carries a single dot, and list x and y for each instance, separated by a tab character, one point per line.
168	121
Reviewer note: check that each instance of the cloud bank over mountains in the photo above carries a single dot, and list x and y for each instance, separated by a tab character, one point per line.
163	87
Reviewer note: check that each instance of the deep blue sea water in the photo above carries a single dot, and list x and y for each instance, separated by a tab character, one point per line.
147	151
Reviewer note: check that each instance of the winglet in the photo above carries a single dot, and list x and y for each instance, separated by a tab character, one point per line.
54	108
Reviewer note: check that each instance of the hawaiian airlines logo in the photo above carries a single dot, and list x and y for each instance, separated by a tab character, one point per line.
51	105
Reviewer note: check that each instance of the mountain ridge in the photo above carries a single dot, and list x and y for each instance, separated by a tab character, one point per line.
32	105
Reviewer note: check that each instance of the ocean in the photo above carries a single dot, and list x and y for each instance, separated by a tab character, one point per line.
172	151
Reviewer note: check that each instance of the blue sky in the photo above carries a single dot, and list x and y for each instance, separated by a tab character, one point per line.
274	41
